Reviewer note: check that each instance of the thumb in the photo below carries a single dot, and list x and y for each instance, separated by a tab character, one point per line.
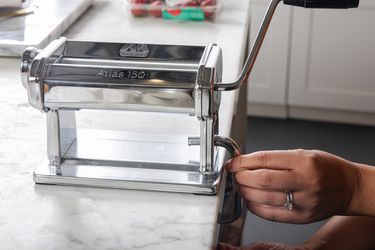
266	246
223	246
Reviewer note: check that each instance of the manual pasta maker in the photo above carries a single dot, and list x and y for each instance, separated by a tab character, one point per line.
68	76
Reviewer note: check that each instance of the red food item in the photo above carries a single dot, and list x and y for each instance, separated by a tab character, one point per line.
137	9
208	7
190	3
174	12
156	8
208	2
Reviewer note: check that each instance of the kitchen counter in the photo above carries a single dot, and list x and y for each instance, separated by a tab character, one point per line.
57	217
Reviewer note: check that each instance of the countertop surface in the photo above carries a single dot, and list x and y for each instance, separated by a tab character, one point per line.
47	20
56	217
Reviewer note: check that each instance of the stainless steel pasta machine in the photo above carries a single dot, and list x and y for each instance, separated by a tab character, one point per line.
68	76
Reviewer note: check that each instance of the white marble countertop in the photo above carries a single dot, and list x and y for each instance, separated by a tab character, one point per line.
55	217
47	21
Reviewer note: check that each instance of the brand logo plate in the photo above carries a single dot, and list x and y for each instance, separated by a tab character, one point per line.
134	50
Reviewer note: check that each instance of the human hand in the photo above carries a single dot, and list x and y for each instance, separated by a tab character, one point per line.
261	246
322	184
272	246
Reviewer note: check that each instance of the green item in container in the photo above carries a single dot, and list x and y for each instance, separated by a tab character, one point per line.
188	13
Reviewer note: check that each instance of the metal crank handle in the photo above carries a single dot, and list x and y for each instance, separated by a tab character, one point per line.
234	150
327	4
228	143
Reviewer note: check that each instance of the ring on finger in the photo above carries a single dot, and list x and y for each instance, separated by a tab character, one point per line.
289	203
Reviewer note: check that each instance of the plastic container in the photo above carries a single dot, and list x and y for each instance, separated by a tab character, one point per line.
199	10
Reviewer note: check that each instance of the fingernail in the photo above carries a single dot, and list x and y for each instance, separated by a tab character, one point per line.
228	165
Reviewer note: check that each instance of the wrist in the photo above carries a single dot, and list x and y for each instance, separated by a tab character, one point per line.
314	244
361	202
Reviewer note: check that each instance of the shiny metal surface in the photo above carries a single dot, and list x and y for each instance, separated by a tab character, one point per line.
136	99
170	64
68	76
253	52
128	178
80	75
145	149
207	103
133	162
229	144
234	150
116	159
219	141
27	57
150	52
53	139
35	71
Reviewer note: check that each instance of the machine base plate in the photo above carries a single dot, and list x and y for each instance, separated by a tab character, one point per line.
110	175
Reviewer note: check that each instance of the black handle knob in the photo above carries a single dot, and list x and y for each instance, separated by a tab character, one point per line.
325	4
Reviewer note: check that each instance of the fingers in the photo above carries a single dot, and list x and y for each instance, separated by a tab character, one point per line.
266	246
268	179
269	198
256	246
224	246
259	246
279	160
270	213
279	214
